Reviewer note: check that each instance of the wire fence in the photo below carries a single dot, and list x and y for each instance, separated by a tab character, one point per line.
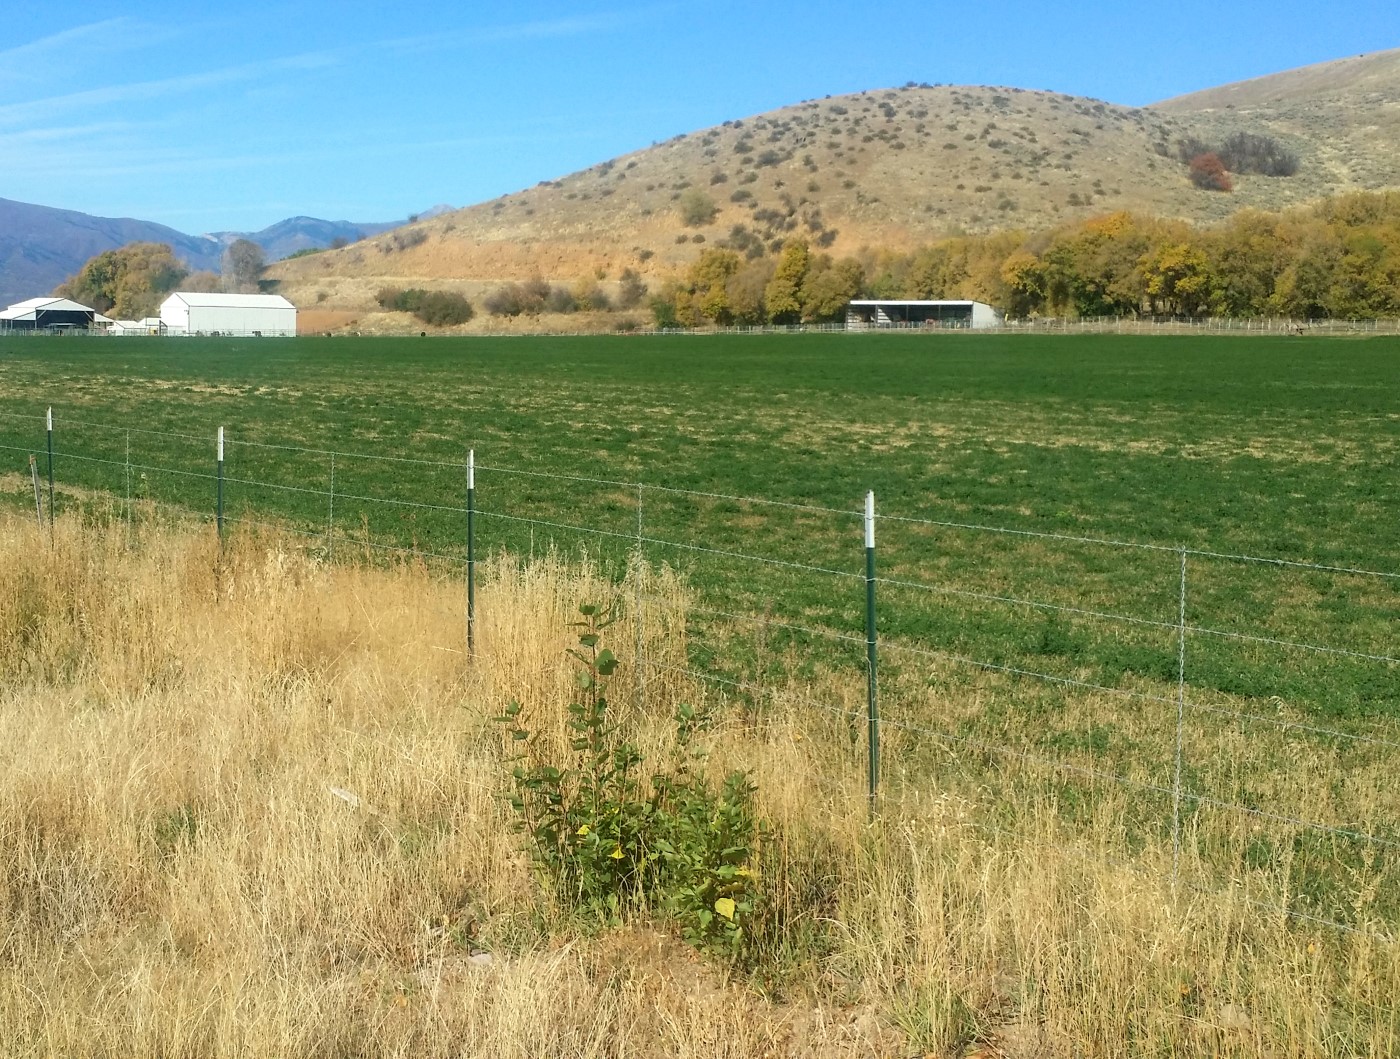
1240	711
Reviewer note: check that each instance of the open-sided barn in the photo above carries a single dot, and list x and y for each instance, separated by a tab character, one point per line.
267	315
47	314
911	313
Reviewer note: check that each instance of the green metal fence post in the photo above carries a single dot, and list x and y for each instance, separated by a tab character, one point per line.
219	494
872	696
50	433
471	551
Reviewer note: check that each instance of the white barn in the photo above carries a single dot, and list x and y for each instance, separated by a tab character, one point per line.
267	315
896	312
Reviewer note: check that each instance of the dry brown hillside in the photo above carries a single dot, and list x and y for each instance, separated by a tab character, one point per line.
884	168
1344	117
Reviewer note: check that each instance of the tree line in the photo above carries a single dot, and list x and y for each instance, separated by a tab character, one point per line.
1339	259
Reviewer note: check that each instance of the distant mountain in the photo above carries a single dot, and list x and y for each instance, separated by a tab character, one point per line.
286	237
40	246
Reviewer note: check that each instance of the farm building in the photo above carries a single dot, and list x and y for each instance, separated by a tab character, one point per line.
150	325
270	315
861	315
47	314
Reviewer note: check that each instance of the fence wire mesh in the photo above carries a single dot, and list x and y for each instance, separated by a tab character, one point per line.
1239	710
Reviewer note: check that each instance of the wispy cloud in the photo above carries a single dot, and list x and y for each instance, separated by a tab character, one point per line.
539	29
32	111
57	43
59	53
155	159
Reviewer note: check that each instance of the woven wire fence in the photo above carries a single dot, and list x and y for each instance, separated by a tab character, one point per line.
1225	720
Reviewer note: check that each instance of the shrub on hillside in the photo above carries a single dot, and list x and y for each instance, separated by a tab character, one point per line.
696	208
1246	152
560	301
1243	152
438	308
516	298
443	308
631	289
1208	173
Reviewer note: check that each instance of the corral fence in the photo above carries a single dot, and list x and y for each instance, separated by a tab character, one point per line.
1113	325
1238	714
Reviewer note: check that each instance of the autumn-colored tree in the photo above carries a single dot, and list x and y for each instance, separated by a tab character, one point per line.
1208	172
1024	278
1092	269
745	290
830	287
703	295
1339	258
1177	279
784	292
129	283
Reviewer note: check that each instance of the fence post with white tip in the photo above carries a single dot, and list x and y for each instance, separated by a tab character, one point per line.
471	551
871	693
50	439
219	488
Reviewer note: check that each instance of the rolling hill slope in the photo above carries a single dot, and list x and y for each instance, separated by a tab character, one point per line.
888	168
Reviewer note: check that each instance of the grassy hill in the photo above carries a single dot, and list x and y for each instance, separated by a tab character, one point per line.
888	168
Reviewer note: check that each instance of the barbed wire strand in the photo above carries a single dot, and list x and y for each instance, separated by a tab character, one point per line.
1202	799
1139	545
852	714
1317	648
946	524
1143	871
944	590
61	421
1284	723
633	538
828	634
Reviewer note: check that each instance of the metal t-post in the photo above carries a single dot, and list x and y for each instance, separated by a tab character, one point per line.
219	494
50	433
471	551
872	697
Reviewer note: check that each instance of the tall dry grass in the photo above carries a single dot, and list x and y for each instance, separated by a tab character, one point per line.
248	807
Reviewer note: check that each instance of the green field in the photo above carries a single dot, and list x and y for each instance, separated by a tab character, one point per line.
1282	449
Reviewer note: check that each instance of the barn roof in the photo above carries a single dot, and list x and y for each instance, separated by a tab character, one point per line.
27	309
915	301
232	301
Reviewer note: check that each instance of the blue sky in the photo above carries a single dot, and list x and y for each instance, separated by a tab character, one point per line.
237	116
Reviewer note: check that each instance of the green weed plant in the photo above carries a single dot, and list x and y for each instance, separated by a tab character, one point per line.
613	843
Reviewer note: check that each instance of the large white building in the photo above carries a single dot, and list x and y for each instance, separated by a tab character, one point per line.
266	315
897	312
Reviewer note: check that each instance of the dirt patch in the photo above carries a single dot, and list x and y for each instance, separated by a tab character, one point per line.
310	321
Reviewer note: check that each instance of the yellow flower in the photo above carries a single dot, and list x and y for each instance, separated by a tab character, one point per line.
583	831
616	854
744	871
725	907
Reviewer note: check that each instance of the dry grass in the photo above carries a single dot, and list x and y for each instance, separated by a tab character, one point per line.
180	878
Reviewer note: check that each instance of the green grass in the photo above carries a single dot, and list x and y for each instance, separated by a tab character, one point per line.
1284	449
